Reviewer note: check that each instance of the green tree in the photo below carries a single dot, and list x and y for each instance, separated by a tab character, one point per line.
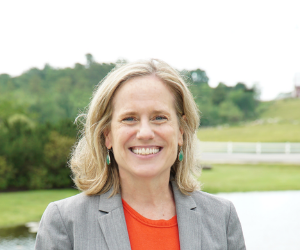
229	112
245	100
6	173
89	60
56	153
219	94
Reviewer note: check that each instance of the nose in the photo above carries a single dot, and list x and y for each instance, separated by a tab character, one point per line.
145	131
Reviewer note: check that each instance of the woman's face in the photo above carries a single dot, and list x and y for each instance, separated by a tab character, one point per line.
144	132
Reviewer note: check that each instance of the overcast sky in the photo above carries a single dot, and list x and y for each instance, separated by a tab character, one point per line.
255	42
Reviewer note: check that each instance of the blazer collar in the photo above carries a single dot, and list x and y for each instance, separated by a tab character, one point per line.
113	224
107	203
189	221
182	199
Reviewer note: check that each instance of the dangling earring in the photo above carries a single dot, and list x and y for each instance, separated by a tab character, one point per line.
180	155
107	158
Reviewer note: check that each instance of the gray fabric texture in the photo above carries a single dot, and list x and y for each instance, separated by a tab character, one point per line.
83	222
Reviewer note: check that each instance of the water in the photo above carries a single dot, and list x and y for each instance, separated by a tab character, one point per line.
270	221
16	238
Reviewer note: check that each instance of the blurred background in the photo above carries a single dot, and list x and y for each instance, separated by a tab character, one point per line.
241	59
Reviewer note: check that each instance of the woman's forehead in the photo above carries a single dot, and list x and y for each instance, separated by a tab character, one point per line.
143	90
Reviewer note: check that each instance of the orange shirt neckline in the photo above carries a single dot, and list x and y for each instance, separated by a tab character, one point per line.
153	223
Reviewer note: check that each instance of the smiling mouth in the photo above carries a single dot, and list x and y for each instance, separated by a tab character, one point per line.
145	151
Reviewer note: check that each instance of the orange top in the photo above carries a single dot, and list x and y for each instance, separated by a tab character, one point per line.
149	234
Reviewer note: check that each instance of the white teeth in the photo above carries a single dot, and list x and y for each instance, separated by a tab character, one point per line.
145	151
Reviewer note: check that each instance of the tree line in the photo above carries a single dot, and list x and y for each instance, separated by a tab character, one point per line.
38	108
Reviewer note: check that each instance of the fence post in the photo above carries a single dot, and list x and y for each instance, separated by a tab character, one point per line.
258	147
229	147
287	148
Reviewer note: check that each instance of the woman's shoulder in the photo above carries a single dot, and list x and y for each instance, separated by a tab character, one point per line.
211	202
74	203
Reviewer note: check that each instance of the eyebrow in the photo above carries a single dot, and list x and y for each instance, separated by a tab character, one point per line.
159	111
128	113
156	111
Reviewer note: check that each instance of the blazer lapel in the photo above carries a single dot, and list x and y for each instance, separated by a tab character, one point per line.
189	221
113	225
112	222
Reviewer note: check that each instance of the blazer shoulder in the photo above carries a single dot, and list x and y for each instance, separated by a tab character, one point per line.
56	230
219	217
77	203
210	202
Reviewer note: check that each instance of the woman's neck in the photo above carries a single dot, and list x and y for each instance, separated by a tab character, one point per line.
150	197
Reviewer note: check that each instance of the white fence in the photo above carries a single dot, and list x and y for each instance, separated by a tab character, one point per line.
249	147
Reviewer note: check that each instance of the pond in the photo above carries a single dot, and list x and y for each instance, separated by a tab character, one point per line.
270	220
16	238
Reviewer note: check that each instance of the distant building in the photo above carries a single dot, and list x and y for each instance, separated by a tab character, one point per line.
296	92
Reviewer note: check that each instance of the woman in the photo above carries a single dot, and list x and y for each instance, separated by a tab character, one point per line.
134	164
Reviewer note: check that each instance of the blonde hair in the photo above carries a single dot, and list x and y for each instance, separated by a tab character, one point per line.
91	174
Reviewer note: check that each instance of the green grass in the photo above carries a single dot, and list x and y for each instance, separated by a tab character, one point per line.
279	122
252	133
286	110
20	207
242	178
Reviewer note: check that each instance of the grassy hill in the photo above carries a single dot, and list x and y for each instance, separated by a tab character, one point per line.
279	122
285	110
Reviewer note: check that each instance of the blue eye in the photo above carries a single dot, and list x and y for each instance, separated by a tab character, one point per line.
129	119
160	118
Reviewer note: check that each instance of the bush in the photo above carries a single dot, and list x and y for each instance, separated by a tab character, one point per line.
6	173
34	156
56	153
230	112
38	178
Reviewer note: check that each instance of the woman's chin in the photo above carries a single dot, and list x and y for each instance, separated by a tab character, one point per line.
148	172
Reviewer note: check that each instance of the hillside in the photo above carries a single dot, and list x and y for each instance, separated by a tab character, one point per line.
279	121
285	111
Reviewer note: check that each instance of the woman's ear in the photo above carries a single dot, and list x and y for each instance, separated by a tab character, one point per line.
180	139
108	139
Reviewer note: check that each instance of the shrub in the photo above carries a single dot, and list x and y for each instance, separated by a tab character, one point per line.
56	154
6	173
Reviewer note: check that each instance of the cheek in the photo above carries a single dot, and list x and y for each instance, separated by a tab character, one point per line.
170	134
121	136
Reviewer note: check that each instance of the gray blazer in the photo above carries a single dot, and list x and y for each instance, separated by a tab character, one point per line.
85	222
